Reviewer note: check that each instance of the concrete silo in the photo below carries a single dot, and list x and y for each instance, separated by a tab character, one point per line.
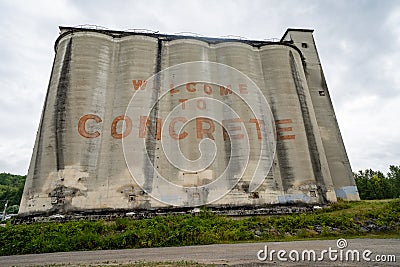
79	160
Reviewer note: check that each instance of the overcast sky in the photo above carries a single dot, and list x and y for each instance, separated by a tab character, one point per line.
358	42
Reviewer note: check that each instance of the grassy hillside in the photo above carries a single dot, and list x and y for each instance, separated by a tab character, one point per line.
364	218
11	188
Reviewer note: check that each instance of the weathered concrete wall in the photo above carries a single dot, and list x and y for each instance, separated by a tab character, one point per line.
336	155
78	162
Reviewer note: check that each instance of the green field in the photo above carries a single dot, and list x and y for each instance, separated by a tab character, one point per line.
370	218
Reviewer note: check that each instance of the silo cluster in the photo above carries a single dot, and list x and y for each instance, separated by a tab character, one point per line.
110	119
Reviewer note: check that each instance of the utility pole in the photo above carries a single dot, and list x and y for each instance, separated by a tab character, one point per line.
4	211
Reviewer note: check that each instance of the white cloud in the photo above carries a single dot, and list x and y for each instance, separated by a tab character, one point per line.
370	125
392	23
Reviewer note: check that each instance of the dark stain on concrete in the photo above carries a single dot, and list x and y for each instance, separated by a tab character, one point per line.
61	198
285	166
151	145
61	106
311	141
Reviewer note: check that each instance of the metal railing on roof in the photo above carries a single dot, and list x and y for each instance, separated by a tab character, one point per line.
230	36
91	26
272	39
194	34
141	31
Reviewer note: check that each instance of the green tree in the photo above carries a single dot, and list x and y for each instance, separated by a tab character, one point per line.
11	189
375	185
394	177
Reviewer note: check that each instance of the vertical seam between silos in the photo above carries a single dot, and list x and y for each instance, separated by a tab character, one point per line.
312	143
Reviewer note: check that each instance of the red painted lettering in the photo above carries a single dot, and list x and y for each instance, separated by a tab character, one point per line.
284	129
145	124
128	127
82	126
172	132
207	89
182	101
225	90
191	87
201	104
257	122
201	131
225	123
243	88
172	89
139	84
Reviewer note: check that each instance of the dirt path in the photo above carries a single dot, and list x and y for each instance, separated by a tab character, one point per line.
244	254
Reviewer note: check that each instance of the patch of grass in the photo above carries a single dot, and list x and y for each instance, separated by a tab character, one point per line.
359	207
346	219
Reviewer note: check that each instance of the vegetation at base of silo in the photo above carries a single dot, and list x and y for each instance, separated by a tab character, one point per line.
11	188
376	185
343	219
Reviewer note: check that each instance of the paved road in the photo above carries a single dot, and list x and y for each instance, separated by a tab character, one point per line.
244	254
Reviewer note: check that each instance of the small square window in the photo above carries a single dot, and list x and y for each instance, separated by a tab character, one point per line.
321	93
304	45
